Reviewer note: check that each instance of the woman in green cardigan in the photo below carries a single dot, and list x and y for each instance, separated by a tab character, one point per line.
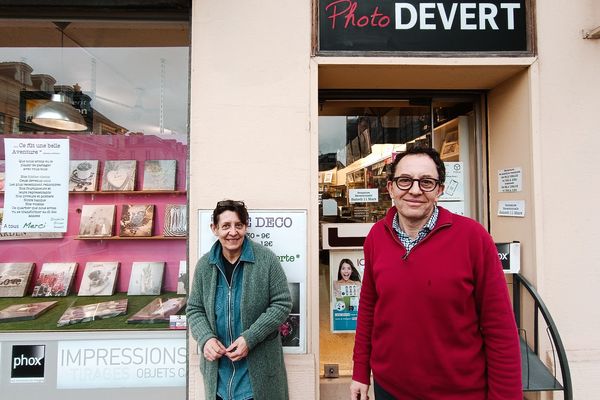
239	298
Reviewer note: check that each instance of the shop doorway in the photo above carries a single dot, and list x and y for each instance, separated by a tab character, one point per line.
359	134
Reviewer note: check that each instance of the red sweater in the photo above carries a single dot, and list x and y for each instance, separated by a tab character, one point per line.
438	323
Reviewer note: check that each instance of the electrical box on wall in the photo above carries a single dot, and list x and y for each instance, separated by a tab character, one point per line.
510	256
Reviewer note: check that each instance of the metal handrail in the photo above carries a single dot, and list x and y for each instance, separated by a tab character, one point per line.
519	280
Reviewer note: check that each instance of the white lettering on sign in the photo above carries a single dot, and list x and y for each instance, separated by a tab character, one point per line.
472	16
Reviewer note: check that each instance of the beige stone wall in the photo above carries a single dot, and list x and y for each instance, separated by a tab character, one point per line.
254	137
250	135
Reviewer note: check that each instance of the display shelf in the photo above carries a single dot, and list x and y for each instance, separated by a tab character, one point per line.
131	238
48	320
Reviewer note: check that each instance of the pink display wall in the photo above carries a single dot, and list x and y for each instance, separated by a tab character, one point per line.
125	251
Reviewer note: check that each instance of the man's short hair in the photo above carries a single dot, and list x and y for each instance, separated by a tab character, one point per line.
428	151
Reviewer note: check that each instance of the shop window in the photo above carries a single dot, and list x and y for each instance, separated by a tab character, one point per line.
120	258
358	139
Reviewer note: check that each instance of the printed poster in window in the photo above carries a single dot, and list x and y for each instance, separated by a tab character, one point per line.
346	272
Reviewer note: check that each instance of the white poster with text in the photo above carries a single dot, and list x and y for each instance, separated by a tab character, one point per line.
36	195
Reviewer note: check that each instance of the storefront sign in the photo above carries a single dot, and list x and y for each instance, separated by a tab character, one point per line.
364	195
28	363
414	25
284	232
510	256
88	364
510	180
36	197
346	272
511	208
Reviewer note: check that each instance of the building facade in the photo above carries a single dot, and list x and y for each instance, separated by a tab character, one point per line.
502	90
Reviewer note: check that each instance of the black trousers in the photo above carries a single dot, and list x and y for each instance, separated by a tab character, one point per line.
380	393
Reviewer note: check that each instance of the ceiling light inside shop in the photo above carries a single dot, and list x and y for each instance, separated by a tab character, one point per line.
58	113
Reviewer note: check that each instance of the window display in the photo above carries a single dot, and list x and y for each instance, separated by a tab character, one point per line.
125	232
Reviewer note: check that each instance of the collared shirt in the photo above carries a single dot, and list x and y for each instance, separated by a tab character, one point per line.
406	240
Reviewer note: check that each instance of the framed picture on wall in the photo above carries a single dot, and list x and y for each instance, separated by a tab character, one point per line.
15	278
119	175
97	220
146	278
55	279
83	175
159	174
99	278
136	220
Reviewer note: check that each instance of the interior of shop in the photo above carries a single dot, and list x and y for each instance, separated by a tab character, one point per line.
358	138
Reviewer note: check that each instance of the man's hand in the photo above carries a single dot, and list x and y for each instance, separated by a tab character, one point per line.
213	349
237	350
358	391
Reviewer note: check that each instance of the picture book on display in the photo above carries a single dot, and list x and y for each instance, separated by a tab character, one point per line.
146	278
97	220
136	220
15	278
21	312
91	312
83	175
99	279
159	310
159	174
175	220
182	278
55	279
119	175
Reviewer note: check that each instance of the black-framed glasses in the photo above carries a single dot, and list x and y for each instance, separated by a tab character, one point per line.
230	203
406	182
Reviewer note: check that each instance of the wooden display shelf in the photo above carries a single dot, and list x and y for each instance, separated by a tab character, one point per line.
131	238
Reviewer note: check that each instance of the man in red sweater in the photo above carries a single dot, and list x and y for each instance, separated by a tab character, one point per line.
435	319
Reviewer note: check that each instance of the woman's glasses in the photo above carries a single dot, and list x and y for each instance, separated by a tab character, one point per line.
230	203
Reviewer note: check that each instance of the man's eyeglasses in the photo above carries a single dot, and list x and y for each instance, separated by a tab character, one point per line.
230	203
425	184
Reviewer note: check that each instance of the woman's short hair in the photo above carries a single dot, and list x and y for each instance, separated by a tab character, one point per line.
236	206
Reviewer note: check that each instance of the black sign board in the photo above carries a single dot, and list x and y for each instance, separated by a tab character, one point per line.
27	363
423	26
510	256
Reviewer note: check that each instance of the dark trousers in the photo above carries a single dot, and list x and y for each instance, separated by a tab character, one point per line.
380	393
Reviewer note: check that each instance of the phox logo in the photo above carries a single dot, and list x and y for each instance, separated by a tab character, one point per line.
28	363
17	362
